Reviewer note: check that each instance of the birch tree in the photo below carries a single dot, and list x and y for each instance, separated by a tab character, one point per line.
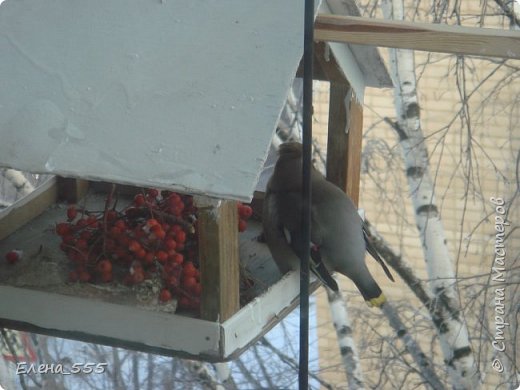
346	342
452	329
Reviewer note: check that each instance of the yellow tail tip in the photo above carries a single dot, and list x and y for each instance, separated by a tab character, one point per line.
377	302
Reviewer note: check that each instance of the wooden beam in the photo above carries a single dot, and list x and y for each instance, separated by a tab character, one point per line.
219	261
418	36
344	140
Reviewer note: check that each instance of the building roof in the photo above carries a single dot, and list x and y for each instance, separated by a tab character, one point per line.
150	93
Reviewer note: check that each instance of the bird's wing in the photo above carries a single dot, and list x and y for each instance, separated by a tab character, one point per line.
275	238
374	253
322	273
316	264
284	228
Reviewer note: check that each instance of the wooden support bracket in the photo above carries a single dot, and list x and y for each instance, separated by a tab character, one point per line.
219	260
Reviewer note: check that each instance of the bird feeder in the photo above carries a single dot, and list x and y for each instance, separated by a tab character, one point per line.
180	96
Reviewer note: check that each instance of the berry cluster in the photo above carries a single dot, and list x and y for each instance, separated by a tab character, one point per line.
13	256
154	237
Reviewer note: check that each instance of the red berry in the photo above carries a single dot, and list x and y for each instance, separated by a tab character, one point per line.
189	270
13	256
177	258
134	246
81	244
176	228
139	200
92	220
62	229
180	236
242	225
162	256
245	211
170	243
72	212
120	224
158	232
165	295
115	231
104	266
171	281
152	222
189	282
177	209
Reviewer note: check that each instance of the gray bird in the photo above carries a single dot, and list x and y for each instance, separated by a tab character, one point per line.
338	234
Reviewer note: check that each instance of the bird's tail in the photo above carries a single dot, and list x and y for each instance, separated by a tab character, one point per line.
373	295
377	302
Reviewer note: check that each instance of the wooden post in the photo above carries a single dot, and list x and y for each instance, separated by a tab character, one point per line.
345	138
345	133
71	190
219	261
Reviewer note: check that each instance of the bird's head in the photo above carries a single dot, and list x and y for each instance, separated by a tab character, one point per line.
290	150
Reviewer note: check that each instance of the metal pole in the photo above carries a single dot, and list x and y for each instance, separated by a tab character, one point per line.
308	54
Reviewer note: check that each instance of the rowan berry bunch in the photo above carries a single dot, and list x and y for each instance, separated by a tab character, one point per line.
154	237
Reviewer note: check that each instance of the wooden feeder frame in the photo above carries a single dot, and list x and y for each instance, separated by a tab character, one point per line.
225	329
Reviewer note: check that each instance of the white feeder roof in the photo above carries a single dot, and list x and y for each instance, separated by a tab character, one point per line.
179	94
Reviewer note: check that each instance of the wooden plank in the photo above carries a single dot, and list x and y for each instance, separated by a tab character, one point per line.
219	260
344	140
122	325
27	208
260	315
418	36
71	190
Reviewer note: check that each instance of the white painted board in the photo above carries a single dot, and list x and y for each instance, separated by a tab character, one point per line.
181	94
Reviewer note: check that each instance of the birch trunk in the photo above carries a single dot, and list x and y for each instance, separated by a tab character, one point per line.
452	329
347	345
